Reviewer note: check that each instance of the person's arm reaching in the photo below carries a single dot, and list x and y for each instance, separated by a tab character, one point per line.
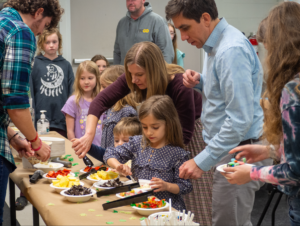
104	100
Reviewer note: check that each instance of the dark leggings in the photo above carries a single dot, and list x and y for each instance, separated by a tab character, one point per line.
97	152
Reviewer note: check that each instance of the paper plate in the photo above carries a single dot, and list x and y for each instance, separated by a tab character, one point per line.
220	167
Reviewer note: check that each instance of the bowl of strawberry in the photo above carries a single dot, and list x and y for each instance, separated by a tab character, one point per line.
88	169
51	175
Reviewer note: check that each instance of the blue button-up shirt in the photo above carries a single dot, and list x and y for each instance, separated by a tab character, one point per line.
17	48
231	85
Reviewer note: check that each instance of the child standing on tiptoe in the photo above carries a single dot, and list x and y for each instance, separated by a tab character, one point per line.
125	107
158	154
86	88
52	78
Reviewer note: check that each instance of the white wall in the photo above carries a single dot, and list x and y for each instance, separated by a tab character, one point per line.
93	24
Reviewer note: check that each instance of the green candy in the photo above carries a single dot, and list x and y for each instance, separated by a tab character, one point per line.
244	160
122	220
71	159
236	164
115	211
132	204
143	218
109	222
75	164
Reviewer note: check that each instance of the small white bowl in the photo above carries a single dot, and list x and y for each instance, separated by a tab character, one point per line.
164	214
147	212
100	182
47	168
89	178
77	198
50	179
59	189
143	182
220	167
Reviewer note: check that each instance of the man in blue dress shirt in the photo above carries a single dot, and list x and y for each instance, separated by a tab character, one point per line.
230	85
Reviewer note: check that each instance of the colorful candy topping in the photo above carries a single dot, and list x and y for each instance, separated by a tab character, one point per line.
88	169
130	193
235	162
152	203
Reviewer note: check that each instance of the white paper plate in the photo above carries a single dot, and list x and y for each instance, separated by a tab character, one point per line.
220	167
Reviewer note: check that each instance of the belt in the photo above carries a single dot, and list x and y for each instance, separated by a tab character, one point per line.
249	141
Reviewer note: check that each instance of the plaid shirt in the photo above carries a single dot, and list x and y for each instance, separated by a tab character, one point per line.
17	49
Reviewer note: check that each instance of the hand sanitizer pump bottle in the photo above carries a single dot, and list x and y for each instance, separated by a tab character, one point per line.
43	124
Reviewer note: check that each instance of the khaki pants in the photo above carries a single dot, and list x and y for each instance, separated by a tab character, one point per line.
232	204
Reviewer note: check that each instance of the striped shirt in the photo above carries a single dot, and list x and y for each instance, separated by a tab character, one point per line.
17	49
287	173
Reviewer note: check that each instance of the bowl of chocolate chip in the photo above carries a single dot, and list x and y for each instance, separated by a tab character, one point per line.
108	184
78	193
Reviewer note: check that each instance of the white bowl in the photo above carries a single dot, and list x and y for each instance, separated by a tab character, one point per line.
47	168
100	182
50	179
143	182
164	214
147	212
135	189
220	167
59	189
78	198
89	178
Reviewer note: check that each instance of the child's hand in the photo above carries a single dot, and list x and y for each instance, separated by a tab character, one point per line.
158	184
124	169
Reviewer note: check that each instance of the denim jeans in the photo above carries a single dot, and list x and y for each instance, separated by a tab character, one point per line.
5	169
97	152
294	210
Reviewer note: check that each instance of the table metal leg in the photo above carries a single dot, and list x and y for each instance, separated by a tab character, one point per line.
12	198
275	207
266	207
36	215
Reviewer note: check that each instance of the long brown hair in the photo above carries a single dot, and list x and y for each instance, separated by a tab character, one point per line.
92	68
43	38
109	76
148	56
162	108
174	41
283	62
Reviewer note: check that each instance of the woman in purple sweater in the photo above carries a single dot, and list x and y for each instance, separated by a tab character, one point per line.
148	74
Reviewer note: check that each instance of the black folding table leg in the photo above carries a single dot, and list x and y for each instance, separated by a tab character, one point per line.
36	217
266	207
12	198
275	207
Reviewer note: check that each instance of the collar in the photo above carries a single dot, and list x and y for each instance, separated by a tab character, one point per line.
215	35
12	12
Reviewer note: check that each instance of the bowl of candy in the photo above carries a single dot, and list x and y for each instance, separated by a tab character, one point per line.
51	175
78	193
103	176
64	182
153	205
109	184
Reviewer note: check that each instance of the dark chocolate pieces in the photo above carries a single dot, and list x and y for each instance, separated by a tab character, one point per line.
78	190
113	183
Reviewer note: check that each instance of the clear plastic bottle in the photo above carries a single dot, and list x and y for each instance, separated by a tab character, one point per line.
43	124
32	111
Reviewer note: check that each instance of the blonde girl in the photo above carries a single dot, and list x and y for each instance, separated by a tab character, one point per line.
178	57
101	62
147	74
126	107
86	88
158	153
52	80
